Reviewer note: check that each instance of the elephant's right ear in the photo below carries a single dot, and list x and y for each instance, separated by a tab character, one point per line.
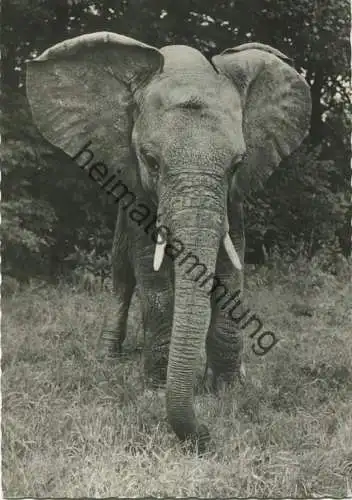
81	91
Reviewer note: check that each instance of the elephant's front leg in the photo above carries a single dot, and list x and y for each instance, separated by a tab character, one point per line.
115	325
225	339
157	310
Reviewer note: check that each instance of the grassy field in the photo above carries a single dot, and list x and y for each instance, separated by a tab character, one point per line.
72	427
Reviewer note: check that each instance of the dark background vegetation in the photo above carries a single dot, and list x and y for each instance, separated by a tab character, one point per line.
75	427
55	219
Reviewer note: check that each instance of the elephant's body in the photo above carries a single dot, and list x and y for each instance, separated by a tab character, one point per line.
178	91
190	139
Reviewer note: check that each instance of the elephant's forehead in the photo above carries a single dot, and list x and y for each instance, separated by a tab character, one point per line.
192	110
189	81
188	90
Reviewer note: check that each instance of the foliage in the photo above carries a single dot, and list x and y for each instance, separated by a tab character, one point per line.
298	210
49	206
90	270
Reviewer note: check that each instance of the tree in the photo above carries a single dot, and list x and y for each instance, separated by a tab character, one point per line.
50	206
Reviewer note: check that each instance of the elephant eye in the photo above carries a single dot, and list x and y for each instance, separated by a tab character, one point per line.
236	163
151	161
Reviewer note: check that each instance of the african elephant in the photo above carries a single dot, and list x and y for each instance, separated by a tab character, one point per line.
190	138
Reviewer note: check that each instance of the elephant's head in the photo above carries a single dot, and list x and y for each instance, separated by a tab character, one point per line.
192	134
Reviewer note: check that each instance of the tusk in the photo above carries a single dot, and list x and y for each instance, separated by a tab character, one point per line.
159	253
231	252
242	374
227	228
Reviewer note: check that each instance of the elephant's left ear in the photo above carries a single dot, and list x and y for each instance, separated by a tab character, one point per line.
276	108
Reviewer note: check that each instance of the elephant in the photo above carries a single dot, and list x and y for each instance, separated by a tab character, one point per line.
191	138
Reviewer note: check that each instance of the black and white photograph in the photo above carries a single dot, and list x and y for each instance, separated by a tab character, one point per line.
176	249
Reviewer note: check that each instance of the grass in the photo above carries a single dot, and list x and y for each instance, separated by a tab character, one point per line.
72	427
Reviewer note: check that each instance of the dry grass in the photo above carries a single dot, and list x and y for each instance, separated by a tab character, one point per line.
67	432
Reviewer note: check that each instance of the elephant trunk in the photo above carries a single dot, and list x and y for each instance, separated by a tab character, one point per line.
199	226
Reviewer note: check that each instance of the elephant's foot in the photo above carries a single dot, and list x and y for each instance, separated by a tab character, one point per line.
198	442
155	366
202	440
214	381
224	357
109	347
156	379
